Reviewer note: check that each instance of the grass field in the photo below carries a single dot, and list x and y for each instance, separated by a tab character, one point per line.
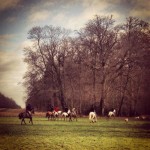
113	134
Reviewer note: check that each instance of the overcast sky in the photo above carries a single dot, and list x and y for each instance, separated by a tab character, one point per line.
17	17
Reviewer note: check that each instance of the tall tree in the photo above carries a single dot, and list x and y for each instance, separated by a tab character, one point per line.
133	44
99	38
46	57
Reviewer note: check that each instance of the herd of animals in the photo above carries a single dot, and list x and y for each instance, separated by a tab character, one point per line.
53	115
67	115
56	115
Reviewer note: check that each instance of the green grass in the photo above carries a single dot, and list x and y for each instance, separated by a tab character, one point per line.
113	134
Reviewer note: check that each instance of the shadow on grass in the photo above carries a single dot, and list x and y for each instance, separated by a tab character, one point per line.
58	129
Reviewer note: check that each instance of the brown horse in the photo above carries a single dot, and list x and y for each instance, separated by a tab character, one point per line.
51	115
24	115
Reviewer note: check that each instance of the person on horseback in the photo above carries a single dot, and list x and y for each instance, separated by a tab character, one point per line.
28	109
50	107
66	109
56	108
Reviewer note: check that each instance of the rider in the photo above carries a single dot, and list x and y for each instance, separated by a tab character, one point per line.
66	109
73	110
50	107
28	109
56	108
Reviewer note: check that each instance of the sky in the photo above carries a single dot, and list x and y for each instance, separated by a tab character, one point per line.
17	17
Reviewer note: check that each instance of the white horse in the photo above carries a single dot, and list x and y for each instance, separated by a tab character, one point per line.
92	117
58	114
66	114
112	113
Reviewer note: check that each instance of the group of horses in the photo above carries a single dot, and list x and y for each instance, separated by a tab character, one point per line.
51	115
55	115
70	114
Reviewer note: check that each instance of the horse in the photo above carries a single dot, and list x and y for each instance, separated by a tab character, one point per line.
51	115
57	114
93	117
112	113
66	114
70	114
73	115
26	114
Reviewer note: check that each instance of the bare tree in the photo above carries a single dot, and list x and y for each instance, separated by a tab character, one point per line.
131	47
104	64
99	38
46	57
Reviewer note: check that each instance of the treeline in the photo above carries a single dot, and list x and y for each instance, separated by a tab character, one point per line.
103	65
6	102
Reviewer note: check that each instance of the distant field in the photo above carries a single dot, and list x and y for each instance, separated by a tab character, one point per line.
4	112
113	134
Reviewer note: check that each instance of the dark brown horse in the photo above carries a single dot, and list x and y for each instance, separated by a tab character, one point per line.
51	115
26	114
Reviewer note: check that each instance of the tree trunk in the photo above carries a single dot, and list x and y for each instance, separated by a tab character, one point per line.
123	95
101	106
62	100
121	104
102	99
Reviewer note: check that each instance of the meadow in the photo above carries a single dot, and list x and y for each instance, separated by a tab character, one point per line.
112	134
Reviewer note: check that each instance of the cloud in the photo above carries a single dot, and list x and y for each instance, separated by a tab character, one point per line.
39	16
6	36
7	4
73	14
11	19
10	61
4	39
141	9
87	11
12	69
69	14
